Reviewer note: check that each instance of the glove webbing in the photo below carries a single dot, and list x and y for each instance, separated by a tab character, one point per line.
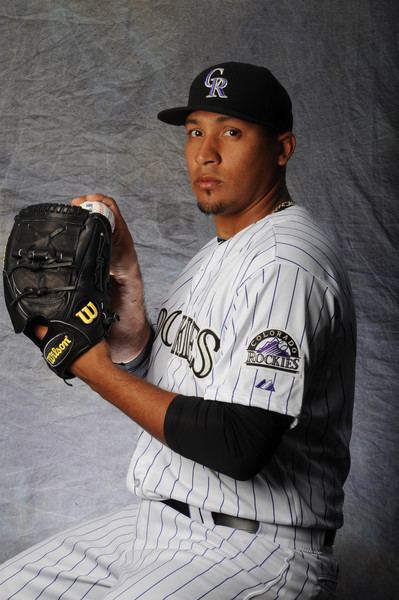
40	254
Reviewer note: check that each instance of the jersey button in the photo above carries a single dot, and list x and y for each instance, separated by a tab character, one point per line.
137	482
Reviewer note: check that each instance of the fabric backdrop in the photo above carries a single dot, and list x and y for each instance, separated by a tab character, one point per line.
81	83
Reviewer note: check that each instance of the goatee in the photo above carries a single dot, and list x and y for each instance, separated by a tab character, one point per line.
211	208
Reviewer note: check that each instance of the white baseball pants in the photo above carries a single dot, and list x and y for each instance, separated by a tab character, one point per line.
152	552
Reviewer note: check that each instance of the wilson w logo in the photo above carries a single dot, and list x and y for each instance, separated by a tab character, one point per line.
88	313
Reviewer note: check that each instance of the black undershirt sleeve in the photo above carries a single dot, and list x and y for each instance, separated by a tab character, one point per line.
232	439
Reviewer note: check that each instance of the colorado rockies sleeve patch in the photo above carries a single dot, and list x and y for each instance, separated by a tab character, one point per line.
274	349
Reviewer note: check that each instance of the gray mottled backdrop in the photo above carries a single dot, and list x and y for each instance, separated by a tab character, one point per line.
80	85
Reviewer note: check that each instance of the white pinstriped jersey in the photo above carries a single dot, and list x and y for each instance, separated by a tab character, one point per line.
264	319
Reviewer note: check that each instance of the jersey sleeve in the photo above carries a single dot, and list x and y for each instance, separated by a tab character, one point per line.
274	339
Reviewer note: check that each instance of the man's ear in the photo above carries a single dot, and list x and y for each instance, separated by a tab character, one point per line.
287	143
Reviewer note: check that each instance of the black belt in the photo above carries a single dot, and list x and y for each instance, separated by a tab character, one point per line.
329	537
218	518
237	522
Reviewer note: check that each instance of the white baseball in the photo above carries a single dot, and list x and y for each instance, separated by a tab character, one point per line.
101	208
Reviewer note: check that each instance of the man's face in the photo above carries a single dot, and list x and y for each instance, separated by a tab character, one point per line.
232	164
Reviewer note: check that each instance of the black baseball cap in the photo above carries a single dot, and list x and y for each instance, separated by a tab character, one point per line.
240	90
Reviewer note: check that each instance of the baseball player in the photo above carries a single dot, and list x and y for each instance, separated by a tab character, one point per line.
246	408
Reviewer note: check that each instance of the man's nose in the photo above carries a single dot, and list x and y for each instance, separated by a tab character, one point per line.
208	152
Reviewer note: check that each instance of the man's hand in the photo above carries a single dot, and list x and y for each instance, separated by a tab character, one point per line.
124	257
128	337
40	331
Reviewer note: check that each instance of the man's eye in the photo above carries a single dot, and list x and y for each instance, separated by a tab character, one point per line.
232	132
194	133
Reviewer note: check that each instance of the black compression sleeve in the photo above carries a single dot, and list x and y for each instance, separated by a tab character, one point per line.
229	438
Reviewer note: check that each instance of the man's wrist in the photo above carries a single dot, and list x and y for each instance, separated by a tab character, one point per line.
92	364
126	276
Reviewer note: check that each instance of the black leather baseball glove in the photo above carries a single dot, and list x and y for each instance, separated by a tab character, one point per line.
56	273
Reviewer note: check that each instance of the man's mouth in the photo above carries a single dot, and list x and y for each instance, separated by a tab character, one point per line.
207	182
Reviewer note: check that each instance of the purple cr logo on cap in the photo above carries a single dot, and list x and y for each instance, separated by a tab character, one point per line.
216	84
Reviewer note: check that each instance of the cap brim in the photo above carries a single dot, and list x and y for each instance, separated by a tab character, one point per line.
178	115
175	116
